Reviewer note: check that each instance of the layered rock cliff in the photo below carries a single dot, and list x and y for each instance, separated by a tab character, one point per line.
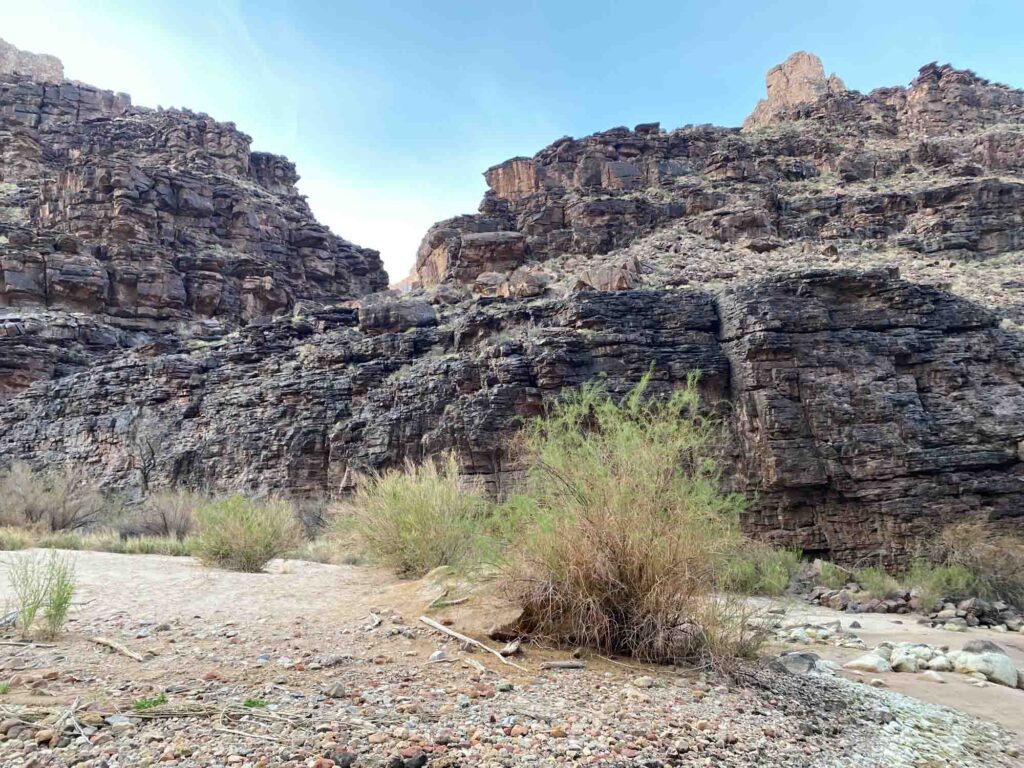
121	225
865	410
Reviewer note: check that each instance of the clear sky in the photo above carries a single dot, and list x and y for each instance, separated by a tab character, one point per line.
392	108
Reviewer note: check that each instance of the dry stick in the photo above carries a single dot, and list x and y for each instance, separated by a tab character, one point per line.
117	647
563	665
458	636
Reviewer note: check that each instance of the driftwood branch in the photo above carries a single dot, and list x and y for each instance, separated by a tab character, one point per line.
563	665
120	648
464	638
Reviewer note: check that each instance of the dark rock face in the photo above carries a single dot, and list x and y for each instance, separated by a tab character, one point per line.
865	410
149	223
157	275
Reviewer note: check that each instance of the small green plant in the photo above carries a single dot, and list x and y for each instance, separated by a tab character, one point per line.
418	519
878	583
42	583
255	703
243	534
28	580
833	576
60	591
5	687
932	583
141	705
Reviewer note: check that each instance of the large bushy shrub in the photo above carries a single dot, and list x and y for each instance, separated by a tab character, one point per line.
243	534
624	528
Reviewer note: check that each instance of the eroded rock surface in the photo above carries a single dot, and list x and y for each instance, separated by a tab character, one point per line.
865	410
122	225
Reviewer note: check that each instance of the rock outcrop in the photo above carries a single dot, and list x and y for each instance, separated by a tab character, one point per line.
38	66
160	276
122	225
800	79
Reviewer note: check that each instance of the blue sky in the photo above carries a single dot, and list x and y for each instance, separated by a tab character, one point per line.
392	110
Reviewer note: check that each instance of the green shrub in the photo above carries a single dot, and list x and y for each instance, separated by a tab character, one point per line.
243	534
42	583
833	576
933	583
62	499
758	569
60	591
623	522
878	583
994	559
168	513
418	519
14	538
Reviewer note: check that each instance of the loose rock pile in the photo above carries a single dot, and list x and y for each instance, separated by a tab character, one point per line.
980	659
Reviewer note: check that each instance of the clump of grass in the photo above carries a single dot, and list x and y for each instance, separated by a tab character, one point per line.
28	580
62	499
878	583
833	576
42	583
758	569
243	534
255	703
624	522
14	538
60	591
418	519
5	687
141	705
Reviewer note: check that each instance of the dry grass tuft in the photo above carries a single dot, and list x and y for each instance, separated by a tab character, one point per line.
242	534
417	519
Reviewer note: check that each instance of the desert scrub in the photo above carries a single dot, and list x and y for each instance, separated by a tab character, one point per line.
758	569
833	576
419	518
59	593
624	522
61	499
878	583
14	538
169	513
43	583
243	534
994	559
932	583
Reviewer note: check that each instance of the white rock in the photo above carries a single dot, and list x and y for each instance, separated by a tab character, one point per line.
870	662
997	667
939	664
932	675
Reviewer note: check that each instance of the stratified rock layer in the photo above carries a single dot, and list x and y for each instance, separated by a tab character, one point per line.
121	225
866	410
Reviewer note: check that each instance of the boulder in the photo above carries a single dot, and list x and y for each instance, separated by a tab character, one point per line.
870	662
